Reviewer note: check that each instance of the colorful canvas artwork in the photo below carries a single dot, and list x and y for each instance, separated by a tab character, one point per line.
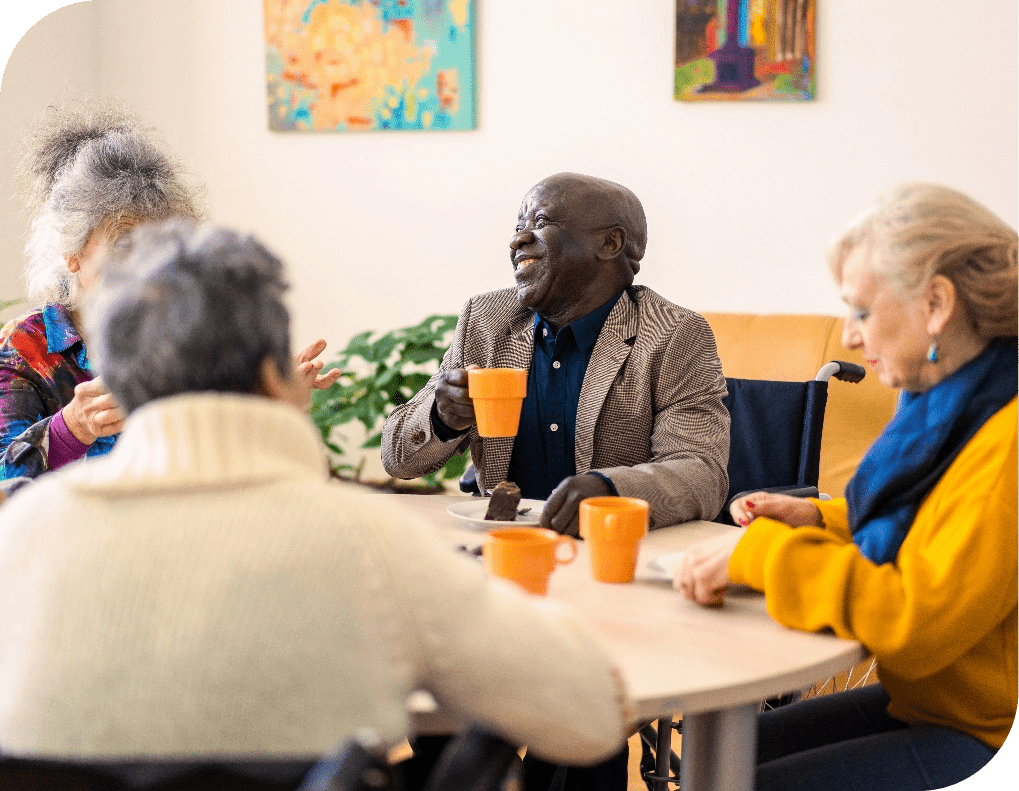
358	65
745	49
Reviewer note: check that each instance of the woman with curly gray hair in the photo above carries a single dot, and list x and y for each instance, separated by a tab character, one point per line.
90	175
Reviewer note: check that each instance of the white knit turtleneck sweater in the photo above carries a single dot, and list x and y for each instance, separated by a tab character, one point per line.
205	591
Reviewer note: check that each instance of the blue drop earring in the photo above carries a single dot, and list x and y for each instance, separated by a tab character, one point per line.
932	352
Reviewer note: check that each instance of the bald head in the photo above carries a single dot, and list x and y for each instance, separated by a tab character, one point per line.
608	204
577	244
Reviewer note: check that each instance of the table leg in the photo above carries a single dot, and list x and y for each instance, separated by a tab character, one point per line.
719	750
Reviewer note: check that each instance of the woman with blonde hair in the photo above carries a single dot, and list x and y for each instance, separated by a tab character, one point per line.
918	562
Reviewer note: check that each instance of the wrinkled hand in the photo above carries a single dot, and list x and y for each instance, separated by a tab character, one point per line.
793	511
562	509
308	367
455	407
93	412
703	573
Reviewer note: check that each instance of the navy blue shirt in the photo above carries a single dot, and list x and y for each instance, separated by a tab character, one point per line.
543	453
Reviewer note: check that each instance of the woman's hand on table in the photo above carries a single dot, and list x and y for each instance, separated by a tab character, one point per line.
93	412
793	511
308	367
703	573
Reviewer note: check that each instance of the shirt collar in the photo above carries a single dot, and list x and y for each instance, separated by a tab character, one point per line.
587	328
61	333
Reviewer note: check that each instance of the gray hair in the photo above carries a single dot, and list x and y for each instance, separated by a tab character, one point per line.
181	308
87	169
918	231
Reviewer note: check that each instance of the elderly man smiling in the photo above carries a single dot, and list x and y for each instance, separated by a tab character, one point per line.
624	392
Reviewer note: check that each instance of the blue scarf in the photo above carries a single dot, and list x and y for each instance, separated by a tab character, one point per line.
918	445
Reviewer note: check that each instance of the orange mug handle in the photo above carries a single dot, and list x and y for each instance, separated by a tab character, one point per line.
564	540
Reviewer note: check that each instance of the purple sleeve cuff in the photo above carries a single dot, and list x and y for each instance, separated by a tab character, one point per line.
64	446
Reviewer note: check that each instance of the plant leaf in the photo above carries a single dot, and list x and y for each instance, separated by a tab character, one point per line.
455	467
367	392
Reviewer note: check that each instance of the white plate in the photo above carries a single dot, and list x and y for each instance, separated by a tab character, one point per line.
473	510
664	566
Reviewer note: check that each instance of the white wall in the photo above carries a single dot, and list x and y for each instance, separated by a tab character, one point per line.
380	229
55	61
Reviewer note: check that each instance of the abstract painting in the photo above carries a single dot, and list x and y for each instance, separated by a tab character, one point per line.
360	65
745	49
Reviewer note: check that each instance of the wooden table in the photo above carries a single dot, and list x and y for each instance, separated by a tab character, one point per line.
712	664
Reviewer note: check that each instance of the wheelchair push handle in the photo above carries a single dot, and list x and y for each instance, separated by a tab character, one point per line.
840	369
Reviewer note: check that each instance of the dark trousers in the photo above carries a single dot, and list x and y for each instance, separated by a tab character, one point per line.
609	775
848	742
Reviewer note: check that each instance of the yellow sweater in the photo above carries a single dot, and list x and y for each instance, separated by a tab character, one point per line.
941	620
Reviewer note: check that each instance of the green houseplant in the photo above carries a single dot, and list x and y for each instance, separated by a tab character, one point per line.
381	372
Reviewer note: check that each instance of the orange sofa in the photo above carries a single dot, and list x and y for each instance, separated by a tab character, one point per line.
792	348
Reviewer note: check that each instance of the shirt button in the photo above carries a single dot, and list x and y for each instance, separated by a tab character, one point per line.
555	364
418	437
544	331
554	427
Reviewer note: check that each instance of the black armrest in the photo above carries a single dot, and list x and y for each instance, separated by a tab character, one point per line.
475	760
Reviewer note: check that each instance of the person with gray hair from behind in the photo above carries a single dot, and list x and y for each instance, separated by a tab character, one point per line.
89	175
223	599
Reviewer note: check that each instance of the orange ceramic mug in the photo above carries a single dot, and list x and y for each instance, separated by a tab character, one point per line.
526	555
613	528
498	394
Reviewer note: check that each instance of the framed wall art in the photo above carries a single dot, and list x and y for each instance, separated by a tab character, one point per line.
362	65
745	49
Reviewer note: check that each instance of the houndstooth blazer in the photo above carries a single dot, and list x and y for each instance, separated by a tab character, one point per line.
650	415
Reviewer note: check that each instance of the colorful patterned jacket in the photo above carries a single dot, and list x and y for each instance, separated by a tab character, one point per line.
42	358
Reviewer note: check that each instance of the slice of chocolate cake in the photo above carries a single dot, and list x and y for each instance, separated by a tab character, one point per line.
503	505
